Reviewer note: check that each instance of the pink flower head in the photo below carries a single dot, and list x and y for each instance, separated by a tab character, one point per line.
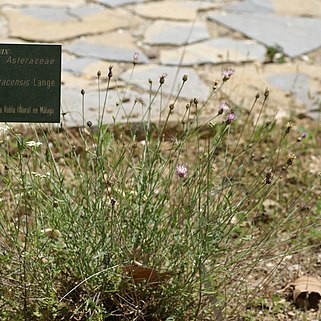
181	170
223	107
227	73
230	117
303	135
135	58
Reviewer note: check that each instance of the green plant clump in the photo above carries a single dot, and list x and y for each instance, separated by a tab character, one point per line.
148	221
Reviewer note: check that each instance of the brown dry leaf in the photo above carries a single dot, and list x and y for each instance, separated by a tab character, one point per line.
307	292
140	273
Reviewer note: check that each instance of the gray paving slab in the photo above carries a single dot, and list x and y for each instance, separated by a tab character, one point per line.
121	106
194	87
71	104
118	3
175	33
298	85
55	3
252	6
214	51
172	9
296	35
61	14
48	13
82	11
105	52
78	65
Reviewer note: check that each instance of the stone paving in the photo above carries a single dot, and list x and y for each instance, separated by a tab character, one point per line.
173	38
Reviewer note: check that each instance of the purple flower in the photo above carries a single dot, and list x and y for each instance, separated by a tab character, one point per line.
230	117
223	107
227	73
181	170
303	135
135	58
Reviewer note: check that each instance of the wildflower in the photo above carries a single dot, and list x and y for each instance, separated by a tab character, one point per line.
33	144
269	176
162	78
110	71
291	158
135	58
113	202
288	128
215	85
181	170
303	135
227	73
222	108
230	117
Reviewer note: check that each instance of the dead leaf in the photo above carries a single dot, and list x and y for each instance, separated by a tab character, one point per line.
307	292
140	273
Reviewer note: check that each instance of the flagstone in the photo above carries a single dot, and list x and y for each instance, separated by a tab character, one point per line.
113	52
175	33
296	35
86	10
70	79
60	13
298	86
78	65
118	3
122	38
89	80
172	9
28	27
56	3
87	68
251	6
214	51
48	13
194	87
122	105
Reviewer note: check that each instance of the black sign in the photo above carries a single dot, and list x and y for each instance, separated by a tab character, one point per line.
30	83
